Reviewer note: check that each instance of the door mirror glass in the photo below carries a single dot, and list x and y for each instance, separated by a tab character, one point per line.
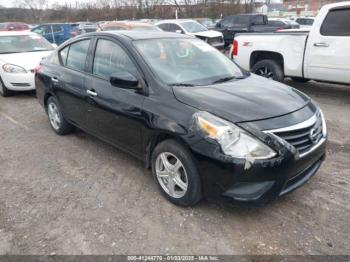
124	80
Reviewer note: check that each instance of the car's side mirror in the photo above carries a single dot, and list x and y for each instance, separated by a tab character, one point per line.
179	31
124	80
54	45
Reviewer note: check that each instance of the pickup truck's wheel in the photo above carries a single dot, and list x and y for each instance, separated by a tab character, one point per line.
300	79
269	69
57	121
3	90
176	174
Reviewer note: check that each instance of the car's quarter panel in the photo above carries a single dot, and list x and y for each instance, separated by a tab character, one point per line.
289	45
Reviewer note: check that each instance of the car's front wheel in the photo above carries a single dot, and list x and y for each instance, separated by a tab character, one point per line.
3	90
57	121
176	173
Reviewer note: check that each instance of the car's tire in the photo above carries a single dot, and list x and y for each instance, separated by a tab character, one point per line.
300	79
56	119
3	90
270	69
181	186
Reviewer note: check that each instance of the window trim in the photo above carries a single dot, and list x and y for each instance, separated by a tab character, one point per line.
69	46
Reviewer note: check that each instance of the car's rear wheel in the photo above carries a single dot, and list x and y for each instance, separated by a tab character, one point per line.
57	121
176	174
269	69
3	90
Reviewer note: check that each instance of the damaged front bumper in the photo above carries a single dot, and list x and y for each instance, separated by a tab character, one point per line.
262	182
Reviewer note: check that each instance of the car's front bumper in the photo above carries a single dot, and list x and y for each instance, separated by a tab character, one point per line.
262	182
18	82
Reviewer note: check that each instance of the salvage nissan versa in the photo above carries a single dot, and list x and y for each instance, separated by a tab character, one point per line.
204	126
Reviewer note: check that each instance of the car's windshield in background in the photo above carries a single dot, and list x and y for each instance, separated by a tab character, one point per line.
193	27
146	28
181	61
23	43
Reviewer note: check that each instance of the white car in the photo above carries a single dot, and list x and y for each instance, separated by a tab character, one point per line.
322	54
191	27
20	53
305	22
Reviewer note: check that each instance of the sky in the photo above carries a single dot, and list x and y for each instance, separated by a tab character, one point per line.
11	3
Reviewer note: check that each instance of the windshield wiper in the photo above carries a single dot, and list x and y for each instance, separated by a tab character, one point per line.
224	79
181	84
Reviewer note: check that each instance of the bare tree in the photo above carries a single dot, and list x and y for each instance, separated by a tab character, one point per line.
36	7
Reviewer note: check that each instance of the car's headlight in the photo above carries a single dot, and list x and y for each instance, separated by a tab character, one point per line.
233	140
9	68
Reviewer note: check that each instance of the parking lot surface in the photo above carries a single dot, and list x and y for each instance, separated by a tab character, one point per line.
78	195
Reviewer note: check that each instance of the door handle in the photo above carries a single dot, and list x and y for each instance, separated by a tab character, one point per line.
91	92
54	79
322	44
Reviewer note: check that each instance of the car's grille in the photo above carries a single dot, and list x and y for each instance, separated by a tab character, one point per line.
20	84
215	40
303	136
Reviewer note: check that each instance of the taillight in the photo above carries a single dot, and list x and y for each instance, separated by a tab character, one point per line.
235	48
37	69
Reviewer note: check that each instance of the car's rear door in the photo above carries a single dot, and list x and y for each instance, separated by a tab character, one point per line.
114	114
70	81
328	50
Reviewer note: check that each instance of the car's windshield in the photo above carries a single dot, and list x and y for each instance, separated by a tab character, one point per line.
23	43
183	61
193	27
146	28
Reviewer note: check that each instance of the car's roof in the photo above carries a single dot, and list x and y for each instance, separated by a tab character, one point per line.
175	21
140	35
126	24
9	33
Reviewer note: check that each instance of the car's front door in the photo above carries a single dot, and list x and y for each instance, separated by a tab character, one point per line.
328	49
114	114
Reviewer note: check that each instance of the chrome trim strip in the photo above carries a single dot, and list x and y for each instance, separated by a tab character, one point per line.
311	121
322	140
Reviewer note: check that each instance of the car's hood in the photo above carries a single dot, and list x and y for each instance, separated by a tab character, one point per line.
27	60
252	98
209	34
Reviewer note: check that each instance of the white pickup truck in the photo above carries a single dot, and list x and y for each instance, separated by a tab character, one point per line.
321	54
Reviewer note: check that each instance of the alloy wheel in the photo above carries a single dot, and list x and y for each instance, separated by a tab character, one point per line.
171	175
264	72
54	116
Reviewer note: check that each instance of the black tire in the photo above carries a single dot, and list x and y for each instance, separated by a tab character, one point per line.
194	188
4	92
270	69
300	79
63	127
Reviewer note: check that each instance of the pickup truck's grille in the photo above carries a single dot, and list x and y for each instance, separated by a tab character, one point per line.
303	136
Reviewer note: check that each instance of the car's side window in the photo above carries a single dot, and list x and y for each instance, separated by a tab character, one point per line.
63	55
111	58
227	21
57	28
164	27
336	23
77	55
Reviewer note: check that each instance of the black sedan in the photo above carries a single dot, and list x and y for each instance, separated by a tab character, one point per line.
205	127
